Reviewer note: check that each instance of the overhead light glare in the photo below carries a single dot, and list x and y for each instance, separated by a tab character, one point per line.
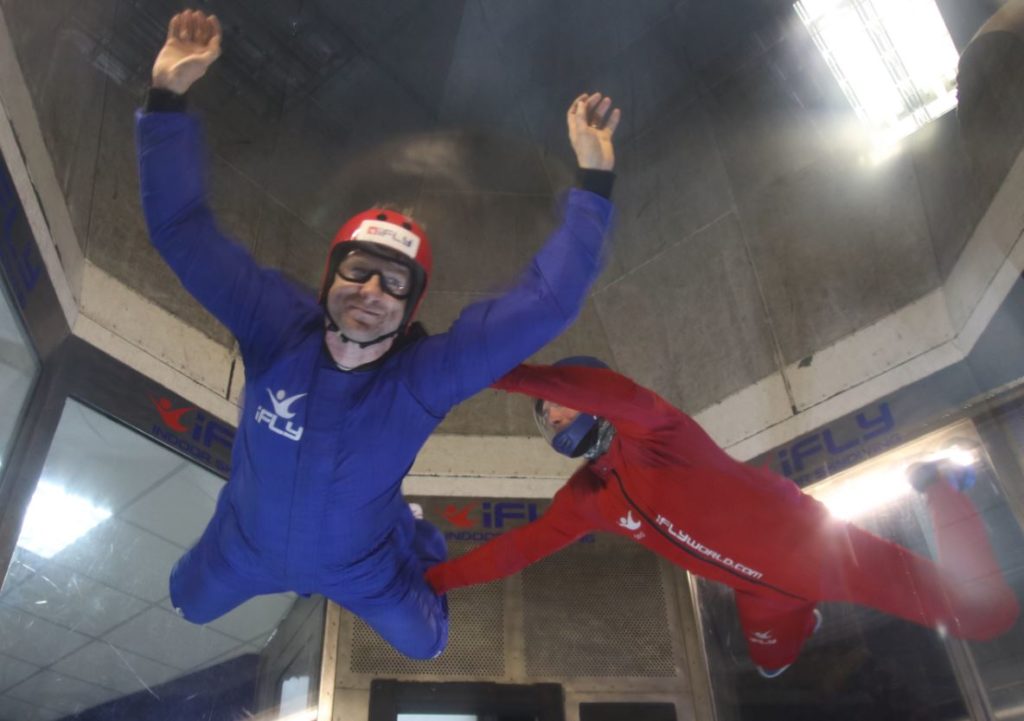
894	60
56	519
955	454
859	496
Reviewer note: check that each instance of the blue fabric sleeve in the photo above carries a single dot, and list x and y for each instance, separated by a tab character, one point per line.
491	337
257	305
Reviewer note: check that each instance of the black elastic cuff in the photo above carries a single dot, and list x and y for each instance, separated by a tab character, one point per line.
159	100
596	181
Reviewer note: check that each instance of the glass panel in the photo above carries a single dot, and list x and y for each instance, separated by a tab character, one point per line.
86	624
862	663
18	370
1000	663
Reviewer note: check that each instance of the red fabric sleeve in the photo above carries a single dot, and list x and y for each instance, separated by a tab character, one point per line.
634	410
514	550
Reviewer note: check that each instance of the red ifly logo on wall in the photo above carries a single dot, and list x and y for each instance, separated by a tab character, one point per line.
170	415
206	439
492	515
459	516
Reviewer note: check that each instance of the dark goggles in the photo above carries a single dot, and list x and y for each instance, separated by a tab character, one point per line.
395	279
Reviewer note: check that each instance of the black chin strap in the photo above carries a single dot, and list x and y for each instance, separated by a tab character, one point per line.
332	327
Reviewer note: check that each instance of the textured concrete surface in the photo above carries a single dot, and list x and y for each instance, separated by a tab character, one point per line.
749	234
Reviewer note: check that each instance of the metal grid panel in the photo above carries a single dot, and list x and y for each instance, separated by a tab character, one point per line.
597	609
476	643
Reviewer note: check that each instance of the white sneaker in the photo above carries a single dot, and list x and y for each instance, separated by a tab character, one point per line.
776	672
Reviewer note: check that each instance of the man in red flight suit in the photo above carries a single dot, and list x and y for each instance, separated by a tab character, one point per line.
654	475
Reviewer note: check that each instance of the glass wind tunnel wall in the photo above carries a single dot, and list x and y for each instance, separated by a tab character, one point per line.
862	663
86	625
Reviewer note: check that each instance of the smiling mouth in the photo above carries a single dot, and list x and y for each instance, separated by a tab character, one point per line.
366	311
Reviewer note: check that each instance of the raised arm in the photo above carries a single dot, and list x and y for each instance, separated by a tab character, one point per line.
255	304
514	550
631	408
492	336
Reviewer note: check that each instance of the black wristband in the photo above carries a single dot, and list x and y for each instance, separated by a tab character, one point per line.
159	100
596	181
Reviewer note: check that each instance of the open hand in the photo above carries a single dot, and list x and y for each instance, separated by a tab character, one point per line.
193	43
591	127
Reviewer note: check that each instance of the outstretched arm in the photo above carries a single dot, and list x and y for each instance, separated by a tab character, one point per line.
255	304
490	337
631	408
514	550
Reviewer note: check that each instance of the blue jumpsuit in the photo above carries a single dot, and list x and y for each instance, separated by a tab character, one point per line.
314	500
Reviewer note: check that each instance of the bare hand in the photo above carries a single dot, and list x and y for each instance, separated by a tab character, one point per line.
193	43
591	127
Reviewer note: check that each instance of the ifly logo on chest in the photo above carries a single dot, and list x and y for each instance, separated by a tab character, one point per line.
204	438
280	419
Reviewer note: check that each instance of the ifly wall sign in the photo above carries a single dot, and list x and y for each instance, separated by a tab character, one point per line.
837	446
19	256
478	520
192	432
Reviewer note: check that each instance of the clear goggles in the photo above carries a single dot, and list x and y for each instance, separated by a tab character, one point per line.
395	278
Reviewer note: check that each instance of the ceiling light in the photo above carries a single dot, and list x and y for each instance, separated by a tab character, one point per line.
894	61
56	519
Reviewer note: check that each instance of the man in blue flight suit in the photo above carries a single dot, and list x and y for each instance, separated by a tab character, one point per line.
342	391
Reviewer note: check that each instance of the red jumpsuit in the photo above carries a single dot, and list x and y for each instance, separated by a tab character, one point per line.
666	484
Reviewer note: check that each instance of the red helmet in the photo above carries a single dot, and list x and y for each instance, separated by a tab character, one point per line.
392	235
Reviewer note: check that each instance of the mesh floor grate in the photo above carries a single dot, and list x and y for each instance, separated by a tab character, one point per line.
597	609
476	642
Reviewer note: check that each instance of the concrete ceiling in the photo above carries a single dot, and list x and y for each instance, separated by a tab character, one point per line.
748	237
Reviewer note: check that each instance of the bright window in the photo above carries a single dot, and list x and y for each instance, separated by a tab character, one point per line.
882	481
294	695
